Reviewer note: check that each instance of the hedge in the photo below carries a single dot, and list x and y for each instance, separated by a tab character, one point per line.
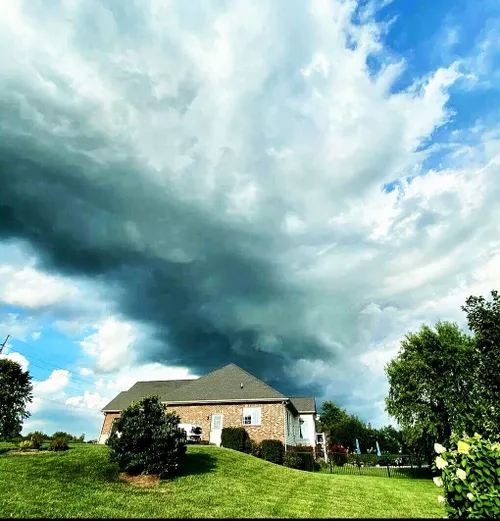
272	450
234	438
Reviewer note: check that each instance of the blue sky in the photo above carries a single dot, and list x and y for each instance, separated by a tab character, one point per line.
289	186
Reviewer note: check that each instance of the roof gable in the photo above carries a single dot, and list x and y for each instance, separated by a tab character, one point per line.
304	404
227	383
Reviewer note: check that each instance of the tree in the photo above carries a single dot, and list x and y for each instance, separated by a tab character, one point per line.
430	384
331	414
15	393
147	439
389	439
483	318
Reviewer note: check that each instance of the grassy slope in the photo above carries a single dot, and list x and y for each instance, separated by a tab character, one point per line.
216	483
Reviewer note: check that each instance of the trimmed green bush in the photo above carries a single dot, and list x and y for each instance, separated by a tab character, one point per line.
234	438
272	450
253	448
59	444
293	460
470	477
306	455
147	439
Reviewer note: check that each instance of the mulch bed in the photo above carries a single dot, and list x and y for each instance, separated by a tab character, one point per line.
141	480
25	452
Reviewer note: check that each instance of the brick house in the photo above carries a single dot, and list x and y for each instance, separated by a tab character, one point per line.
227	397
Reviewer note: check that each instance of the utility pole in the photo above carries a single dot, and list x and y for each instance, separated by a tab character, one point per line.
3	345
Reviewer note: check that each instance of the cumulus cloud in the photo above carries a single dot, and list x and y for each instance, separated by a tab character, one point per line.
219	174
111	344
55	383
16	357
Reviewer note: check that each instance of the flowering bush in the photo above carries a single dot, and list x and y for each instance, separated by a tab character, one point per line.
470	477
338	454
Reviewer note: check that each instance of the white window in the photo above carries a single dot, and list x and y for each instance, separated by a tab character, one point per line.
251	416
301	427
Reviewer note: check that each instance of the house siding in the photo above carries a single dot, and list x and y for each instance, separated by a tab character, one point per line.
308	430
293	432
106	426
271	427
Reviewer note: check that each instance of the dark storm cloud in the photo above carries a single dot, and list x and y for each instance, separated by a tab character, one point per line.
77	228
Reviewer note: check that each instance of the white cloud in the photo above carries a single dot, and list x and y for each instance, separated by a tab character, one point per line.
16	357
89	400
29	288
111	344
35	335
55	383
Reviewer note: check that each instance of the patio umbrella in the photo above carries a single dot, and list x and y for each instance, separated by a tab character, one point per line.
358	450
379	453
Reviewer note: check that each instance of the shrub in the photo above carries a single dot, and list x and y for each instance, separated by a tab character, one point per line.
293	460
253	448
59	443
338	455
305	454
61	434
26	445
234	438
470	476
272	450
37	438
148	440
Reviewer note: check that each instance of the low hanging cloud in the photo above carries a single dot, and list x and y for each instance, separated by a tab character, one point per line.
219	174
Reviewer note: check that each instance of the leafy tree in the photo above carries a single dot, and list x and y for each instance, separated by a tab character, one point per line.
15	393
390	439
431	383
331	414
483	318
347	430
147	439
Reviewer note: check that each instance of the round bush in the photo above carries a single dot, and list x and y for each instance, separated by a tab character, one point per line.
148	440
59	444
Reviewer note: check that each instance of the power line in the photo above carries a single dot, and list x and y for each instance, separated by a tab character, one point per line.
67	404
3	345
75	375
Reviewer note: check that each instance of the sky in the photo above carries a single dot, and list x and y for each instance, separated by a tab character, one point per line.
290	186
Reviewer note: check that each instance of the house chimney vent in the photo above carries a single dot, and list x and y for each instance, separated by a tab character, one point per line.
241	385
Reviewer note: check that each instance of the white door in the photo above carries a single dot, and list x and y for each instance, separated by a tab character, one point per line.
216	429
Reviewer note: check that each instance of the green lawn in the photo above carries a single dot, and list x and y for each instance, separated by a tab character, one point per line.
216	483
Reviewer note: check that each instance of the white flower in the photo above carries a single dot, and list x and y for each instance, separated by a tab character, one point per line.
461	474
463	447
440	499
441	463
470	496
439	448
438	481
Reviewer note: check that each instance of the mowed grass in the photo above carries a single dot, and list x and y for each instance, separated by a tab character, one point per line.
215	483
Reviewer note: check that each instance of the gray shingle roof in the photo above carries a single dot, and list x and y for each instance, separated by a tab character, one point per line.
227	383
304	404
162	388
